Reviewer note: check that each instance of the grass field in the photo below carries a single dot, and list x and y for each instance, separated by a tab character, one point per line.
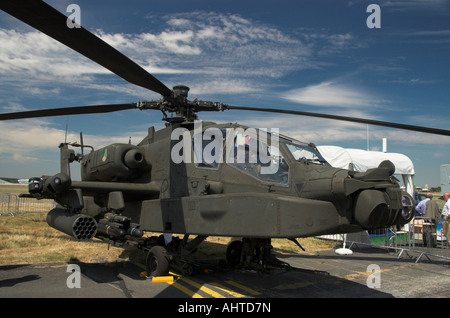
13	188
26	239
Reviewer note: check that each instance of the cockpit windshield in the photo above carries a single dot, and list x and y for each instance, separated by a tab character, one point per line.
305	153
258	153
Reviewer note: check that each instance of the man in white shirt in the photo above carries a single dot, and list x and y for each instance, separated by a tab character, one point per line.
446	214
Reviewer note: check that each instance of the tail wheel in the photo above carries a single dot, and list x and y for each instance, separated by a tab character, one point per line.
157	261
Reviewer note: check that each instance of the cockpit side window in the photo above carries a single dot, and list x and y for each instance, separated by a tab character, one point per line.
208	148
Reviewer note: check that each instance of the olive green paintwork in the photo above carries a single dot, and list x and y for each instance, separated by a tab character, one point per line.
186	198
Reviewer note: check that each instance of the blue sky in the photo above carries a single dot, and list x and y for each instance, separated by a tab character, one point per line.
317	56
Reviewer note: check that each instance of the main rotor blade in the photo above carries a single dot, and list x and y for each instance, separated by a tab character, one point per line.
48	20
76	110
345	118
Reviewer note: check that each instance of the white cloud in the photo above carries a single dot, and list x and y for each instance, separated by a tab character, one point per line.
224	87
177	42
217	53
416	4
221	46
25	136
225	45
330	94
23	159
35	54
22	137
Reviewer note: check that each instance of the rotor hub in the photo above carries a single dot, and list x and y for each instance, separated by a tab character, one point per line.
180	91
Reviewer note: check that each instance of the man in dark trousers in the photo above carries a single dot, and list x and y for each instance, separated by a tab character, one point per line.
433	213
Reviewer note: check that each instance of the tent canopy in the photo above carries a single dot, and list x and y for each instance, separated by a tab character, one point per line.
361	160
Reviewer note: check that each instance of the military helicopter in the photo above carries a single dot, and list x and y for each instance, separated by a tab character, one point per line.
201	178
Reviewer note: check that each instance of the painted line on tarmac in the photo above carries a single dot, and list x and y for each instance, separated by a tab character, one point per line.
227	290
185	290
180	280
244	288
201	287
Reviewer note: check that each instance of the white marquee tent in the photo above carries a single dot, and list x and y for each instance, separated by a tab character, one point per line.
362	160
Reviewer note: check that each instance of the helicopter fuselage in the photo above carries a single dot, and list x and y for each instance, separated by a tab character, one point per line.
304	197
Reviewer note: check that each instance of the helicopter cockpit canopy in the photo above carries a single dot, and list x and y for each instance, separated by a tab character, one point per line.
258	153
258	158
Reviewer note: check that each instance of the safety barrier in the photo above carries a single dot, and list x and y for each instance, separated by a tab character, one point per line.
423	236
12	204
427	237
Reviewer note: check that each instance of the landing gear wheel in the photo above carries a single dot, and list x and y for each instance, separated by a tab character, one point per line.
234	251
157	262
187	269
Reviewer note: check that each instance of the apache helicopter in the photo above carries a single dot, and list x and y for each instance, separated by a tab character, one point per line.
127	190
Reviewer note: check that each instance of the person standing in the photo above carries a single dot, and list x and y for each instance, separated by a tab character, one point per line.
446	215
420	208
432	215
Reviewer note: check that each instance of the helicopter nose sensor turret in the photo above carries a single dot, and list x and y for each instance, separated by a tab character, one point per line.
378	202
370	199
372	209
